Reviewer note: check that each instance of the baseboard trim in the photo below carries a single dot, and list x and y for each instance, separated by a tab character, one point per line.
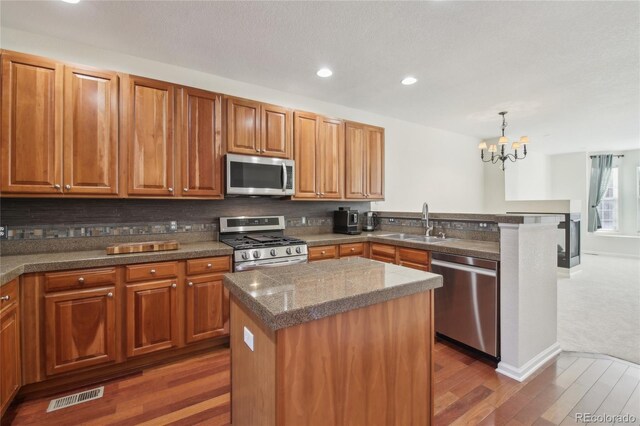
611	254
569	273
521	373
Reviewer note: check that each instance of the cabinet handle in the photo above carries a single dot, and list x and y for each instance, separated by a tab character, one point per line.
185	189
5	298
209	265
153	271
109	294
81	280
56	186
174	285
67	187
190	284
170	189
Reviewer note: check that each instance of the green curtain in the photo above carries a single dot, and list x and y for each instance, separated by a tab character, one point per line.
600	174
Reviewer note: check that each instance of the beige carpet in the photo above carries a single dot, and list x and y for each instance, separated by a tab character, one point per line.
599	308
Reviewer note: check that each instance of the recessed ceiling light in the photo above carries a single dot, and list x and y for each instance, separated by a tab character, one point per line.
71	1
324	72
408	81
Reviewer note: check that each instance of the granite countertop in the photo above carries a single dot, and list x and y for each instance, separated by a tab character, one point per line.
291	295
483	249
13	266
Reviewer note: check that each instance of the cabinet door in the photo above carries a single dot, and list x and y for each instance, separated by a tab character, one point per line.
90	131
276	131
243	126
375	163
331	158
150	136
31	125
355	156
201	125
207	308
80	329
9	355
305	149
151	317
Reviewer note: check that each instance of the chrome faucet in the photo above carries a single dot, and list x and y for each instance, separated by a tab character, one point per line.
425	219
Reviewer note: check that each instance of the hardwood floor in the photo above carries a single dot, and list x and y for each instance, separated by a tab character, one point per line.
467	392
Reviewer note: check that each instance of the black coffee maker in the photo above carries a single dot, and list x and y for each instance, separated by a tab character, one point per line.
345	221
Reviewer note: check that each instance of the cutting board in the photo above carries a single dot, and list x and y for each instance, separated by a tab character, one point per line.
142	247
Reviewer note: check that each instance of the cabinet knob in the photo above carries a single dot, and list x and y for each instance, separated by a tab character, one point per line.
190	284
109	294
174	285
170	189
5	298
353	249
153	271
67	187
56	186
185	189
81	280
322	252
209	265
322	194
257	149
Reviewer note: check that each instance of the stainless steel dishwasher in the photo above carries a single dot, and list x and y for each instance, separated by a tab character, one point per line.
467	304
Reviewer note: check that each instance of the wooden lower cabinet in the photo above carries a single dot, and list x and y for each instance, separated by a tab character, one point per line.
10	365
80	329
338	251
403	256
152	317
383	252
207	312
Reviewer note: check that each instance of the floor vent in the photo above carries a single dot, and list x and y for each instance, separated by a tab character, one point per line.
75	399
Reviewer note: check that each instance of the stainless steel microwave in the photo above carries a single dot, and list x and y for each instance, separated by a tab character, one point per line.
250	175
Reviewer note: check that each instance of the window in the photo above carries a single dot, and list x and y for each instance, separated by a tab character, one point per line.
608	208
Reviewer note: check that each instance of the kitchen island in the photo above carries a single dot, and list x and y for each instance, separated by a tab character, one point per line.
345	341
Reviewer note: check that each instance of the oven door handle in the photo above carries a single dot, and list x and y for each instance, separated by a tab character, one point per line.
285	176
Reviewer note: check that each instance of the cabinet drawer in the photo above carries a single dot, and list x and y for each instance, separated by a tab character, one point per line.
9	294
384	251
151	271
420	257
322	252
87	278
418	266
208	265
355	249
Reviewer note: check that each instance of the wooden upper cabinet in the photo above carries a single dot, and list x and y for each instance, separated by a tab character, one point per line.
375	163
201	145
243	126
364	162
306	151
254	128
331	158
90	131
276	131
80	329
149	132
31	124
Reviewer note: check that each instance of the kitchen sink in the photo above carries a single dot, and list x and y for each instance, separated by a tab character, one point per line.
418	238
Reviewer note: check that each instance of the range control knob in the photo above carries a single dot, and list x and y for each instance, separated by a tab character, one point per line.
245	255
256	254
298	250
289	251
273	252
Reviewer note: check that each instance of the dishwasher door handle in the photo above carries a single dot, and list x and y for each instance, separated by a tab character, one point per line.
466	268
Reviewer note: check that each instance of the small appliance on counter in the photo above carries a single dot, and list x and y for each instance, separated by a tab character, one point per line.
345	221
369	224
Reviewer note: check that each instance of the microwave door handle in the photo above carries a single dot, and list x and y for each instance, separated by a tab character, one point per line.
285	177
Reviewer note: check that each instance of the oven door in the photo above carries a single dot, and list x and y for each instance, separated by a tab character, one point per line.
270	263
250	175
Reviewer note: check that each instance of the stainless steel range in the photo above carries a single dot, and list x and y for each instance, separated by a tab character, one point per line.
259	242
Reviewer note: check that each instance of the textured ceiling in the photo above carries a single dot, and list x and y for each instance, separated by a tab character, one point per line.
568	72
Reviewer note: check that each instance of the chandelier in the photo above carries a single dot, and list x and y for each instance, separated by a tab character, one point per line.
502	156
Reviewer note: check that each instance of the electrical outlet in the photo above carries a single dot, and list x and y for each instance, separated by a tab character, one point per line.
173	225
248	338
303	220
391	220
3	232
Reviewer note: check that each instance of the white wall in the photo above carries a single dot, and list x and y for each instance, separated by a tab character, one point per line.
422	163
528	179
